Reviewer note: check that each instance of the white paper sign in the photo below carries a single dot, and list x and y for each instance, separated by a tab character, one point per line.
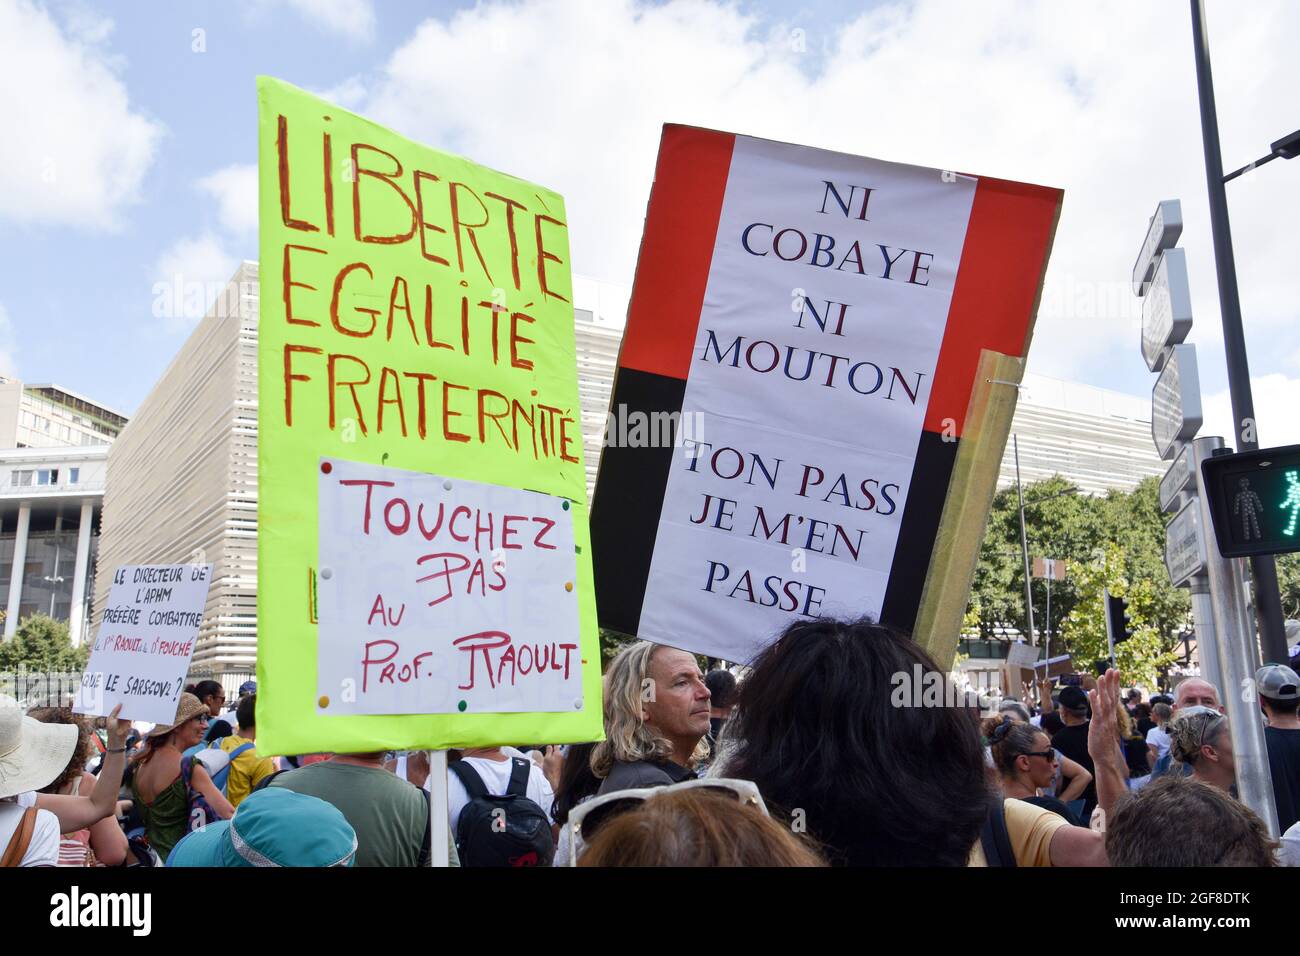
438	595
146	638
793	495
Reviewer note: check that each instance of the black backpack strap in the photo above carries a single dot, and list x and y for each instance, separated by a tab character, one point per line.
426	843
994	837
470	778
519	771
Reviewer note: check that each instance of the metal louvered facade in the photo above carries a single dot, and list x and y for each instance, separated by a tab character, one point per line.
1094	438
182	479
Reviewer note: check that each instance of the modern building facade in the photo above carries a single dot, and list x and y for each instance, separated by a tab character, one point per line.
50	500
600	313
51	416
1094	438
182	479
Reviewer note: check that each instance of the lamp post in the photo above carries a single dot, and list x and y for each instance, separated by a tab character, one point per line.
1263	569
1024	543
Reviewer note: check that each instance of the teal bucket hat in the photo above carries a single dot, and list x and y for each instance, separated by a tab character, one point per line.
272	827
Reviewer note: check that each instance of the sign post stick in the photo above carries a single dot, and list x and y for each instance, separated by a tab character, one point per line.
1235	645
1207	644
439	855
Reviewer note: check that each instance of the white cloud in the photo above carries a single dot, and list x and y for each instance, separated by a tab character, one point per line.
1275	396
75	152
1098	98
187	278
235	190
351	19
350	94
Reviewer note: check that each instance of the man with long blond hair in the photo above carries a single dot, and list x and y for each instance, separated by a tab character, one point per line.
656	715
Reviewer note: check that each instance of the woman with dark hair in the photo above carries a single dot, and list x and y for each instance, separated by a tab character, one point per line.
831	726
213	696
577	784
1026	763
103	842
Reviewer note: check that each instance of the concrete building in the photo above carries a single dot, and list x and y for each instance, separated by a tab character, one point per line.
1094	438
182	479
600	313
51	416
50	502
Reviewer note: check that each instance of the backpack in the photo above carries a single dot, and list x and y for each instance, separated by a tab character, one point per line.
994	836
216	761
507	830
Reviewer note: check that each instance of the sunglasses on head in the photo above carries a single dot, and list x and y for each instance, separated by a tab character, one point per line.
585	820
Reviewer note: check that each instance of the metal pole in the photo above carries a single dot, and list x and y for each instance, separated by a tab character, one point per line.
1024	544
439	851
1207	647
1236	661
1263	570
1047	640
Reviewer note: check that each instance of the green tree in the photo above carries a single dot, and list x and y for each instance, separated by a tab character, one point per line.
1288	578
42	644
1143	657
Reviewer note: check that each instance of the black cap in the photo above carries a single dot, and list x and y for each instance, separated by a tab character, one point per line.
1074	698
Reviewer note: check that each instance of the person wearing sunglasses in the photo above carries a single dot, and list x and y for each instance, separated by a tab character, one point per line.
714	822
1026	763
656	716
1200	740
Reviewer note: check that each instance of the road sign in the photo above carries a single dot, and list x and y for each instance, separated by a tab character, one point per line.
1184	545
1166	309
1175	480
1162	232
1053	568
1176	401
1254	501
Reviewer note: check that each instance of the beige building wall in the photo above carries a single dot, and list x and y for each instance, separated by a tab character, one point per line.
11	395
182	479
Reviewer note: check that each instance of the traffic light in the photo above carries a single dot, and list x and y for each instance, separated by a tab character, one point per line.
1254	500
1118	620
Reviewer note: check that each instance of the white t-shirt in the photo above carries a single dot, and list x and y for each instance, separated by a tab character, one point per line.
495	775
43	850
1156	737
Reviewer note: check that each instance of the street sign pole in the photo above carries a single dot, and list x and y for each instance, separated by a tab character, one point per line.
1024	545
1263	569
1207	645
1236	651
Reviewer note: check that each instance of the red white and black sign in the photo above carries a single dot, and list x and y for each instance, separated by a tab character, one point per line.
816	319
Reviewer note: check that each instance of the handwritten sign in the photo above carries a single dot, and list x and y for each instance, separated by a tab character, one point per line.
442	596
814	321
145	642
416	317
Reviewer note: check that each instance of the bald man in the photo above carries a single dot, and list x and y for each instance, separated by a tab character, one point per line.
1189	692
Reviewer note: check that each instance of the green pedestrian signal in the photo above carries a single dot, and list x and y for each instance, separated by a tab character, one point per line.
1254	500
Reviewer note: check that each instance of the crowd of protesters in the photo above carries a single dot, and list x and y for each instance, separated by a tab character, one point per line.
805	757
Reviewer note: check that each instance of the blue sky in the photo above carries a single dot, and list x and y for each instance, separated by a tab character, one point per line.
134	151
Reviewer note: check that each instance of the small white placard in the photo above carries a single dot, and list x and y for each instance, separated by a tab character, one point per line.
440	595
146	638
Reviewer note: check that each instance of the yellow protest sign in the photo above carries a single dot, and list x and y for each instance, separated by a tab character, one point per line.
424	571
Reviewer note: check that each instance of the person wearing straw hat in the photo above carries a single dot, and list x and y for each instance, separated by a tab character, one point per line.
163	785
273	827
32	755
